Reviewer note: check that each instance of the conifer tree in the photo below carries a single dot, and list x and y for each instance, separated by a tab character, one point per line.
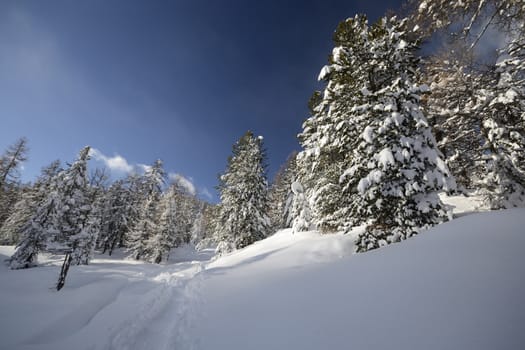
147	222
210	227
163	238
328	132
243	191
198	229
185	212
502	107
117	212
281	195
35	232
452	110
25	208
381	164
10	189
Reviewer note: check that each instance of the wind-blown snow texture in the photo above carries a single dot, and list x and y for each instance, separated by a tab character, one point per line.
458	286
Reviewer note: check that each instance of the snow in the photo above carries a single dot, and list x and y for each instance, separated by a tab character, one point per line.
368	134
385	158
457	286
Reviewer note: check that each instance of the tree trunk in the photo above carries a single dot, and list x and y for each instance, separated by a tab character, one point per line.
63	272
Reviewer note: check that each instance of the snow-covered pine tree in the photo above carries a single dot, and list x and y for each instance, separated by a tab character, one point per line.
210	226
502	107
328	132
371	135
163	239
281	195
198	229
185	213
87	238
244	196
117	208
71	208
395	170
147	222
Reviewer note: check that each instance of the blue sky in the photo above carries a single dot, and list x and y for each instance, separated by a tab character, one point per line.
175	80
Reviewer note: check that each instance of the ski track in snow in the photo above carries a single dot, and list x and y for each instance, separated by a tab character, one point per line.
154	323
163	306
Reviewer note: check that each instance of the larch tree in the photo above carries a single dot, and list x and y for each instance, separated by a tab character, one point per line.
502	106
25	208
10	189
452	111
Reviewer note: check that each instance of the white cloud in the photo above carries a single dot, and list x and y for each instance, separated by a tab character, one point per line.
184	182
206	193
143	167
115	163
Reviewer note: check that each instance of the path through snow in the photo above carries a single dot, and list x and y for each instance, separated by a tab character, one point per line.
110	304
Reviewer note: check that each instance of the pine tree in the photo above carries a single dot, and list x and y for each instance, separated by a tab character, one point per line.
281	195
117	212
243	190
368	142
198	229
395	168
72	207
185	212
147	222
163	238
210	227
328	133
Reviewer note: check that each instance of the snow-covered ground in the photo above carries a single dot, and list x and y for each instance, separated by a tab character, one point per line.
458	286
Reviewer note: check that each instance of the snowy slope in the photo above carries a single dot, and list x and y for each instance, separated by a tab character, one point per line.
457	286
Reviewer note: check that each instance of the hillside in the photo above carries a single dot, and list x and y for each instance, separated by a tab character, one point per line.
457	286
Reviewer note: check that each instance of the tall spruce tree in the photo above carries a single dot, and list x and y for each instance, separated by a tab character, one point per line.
244	196
328	133
383	156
